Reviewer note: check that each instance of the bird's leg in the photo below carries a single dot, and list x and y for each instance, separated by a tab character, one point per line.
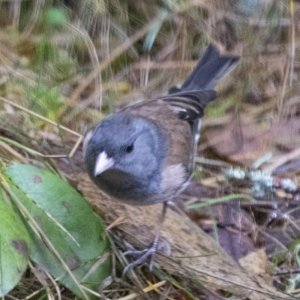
147	253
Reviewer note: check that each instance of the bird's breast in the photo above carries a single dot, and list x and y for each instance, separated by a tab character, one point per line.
129	189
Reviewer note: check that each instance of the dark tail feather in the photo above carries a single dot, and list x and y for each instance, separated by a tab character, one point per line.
211	67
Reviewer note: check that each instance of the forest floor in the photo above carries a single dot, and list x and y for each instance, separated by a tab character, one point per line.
65	66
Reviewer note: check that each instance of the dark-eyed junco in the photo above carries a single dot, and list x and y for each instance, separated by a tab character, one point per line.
144	153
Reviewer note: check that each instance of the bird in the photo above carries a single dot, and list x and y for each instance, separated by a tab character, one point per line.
144	153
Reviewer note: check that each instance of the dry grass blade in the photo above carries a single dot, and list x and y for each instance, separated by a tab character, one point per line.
40	275
77	144
30	24
30	112
292	42
14	153
94	60
281	160
116	223
147	289
115	53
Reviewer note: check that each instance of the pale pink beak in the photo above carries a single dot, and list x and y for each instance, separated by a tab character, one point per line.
103	163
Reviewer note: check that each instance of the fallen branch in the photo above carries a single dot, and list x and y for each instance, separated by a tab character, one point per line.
195	256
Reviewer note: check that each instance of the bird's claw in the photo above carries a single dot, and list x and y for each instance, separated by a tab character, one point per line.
143	256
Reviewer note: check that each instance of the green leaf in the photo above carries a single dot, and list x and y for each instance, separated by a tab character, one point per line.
73	247
56	16
14	245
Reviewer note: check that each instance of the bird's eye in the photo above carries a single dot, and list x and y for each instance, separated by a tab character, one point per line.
129	148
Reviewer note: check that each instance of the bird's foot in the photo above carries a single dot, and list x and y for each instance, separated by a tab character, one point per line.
144	256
